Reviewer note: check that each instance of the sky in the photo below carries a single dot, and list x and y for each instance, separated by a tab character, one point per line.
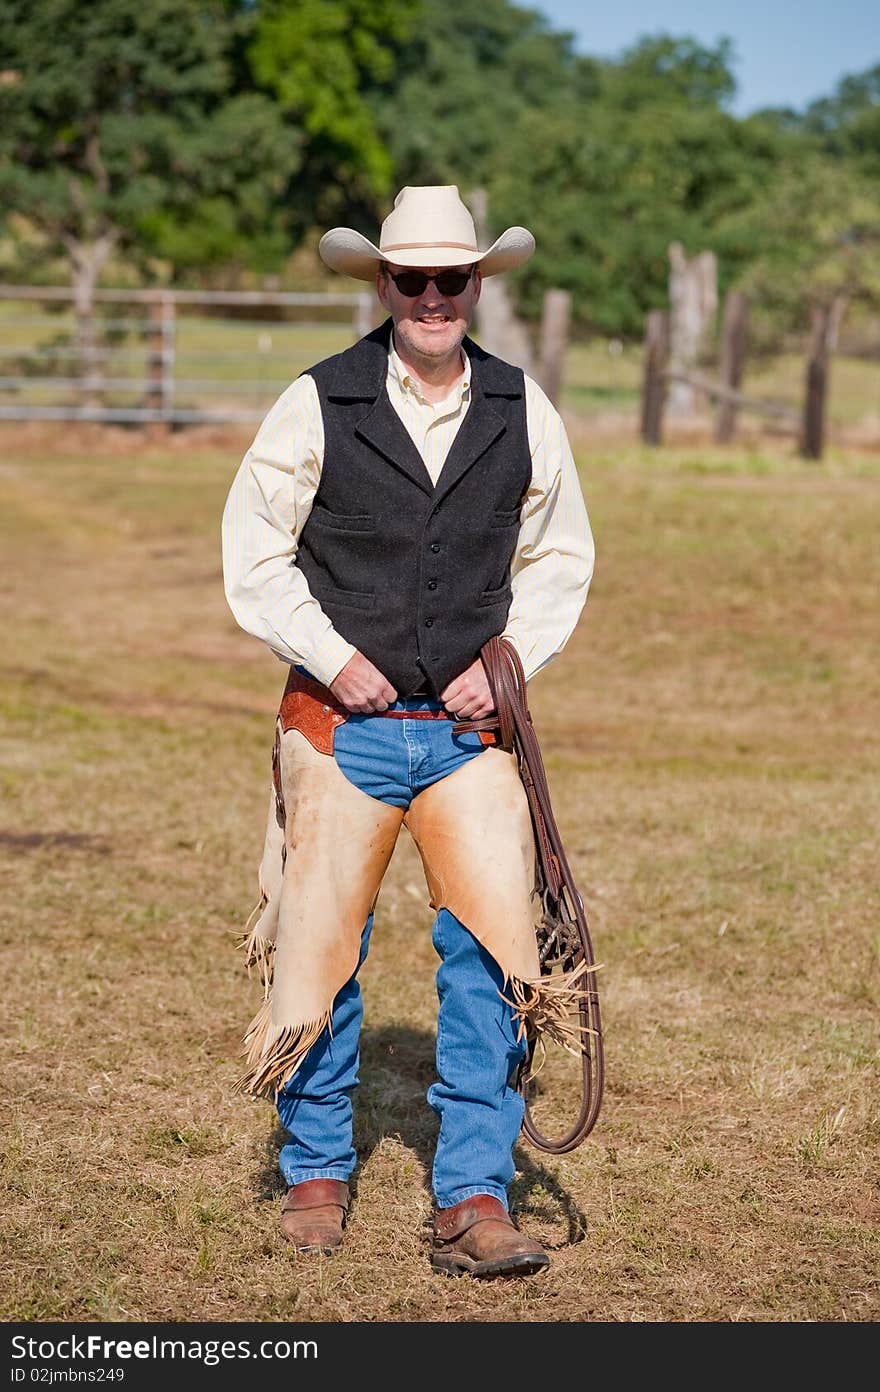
788	51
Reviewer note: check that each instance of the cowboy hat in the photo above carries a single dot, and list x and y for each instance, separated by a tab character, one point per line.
428	226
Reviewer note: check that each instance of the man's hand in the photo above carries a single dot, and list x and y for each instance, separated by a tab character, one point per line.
468	696
361	688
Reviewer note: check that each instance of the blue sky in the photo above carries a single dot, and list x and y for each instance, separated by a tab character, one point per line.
787	53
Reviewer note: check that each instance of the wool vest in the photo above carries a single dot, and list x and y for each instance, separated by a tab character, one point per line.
417	577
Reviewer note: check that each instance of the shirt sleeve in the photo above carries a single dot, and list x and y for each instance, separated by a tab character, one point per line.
553	563
266	509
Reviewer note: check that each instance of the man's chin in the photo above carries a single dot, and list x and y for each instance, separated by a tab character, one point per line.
437	343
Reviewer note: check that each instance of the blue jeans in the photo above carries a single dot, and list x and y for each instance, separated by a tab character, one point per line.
477	1051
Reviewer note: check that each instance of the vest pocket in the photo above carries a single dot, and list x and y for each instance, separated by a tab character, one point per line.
342	522
505	517
351	599
499	596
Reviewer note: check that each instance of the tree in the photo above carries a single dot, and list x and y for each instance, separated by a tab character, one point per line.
121	127
814	240
464	86
848	122
660	68
327	63
608	182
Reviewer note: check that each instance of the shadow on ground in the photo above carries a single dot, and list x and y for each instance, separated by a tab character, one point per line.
397	1068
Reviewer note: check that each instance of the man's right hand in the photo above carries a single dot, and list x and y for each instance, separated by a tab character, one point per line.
361	687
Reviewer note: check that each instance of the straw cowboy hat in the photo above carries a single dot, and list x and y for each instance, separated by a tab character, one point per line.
428	226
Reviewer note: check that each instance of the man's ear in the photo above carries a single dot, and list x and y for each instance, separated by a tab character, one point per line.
382	287
478	284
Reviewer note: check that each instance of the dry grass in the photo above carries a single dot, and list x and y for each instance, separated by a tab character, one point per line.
711	740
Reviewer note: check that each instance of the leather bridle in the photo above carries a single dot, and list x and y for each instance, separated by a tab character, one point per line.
564	944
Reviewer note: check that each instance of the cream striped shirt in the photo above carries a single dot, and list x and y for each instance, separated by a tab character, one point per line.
272	494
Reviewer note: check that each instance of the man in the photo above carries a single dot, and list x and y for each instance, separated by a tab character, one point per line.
402	503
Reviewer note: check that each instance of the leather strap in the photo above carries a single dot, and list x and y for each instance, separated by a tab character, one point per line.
564	943
416	715
316	1193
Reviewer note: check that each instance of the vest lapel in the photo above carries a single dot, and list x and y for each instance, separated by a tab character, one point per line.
480	428
482	425
385	431
361	375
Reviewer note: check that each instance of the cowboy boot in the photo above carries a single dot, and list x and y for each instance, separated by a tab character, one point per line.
477	1236
313	1215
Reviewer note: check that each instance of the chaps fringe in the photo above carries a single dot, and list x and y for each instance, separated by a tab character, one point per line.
275	1052
259	951
549	1008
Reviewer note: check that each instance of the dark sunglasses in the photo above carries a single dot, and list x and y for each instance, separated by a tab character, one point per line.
413	283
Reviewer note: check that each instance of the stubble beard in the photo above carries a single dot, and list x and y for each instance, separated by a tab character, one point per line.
421	348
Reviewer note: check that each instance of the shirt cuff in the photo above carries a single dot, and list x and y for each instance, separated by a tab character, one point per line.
328	660
530	667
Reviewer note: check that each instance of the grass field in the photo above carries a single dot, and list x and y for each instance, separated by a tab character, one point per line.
711	738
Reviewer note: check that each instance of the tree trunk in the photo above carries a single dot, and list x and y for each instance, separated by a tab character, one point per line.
88	260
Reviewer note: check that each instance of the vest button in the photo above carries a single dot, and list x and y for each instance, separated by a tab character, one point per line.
432	584
435	547
429	623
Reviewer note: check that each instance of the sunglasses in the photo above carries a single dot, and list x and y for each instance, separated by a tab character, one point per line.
413	283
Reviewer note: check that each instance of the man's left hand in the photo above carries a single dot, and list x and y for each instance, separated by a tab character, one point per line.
468	697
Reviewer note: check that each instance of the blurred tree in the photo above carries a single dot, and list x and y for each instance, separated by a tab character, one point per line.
464	85
121	126
212	133
328	63
661	68
848	122
607	182
814	238
810	234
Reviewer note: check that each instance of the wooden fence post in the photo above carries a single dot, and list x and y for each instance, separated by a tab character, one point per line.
733	357
554	341
654	380
160	363
693	302
813	435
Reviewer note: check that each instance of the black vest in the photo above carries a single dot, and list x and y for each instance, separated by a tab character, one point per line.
416	577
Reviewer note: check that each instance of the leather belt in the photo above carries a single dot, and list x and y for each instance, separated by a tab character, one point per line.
312	709
416	715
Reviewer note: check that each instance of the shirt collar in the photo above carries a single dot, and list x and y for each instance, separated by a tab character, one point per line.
399	373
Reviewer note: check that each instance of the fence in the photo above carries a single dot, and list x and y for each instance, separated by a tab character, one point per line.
808	419
175	356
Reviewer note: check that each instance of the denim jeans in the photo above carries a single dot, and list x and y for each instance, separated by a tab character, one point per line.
477	1051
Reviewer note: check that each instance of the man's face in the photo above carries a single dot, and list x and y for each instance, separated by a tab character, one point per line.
429	325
